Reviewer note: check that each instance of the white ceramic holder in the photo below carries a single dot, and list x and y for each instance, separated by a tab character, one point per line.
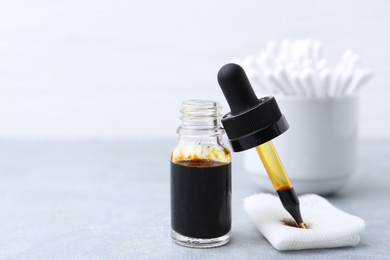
319	149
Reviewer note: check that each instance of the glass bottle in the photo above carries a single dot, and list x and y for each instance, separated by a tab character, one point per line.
200	178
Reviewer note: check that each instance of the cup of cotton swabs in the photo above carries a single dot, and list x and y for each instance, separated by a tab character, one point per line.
320	102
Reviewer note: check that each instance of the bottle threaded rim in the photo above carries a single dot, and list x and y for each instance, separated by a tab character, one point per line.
201	115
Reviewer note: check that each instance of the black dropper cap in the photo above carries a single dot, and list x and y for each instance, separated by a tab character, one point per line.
252	121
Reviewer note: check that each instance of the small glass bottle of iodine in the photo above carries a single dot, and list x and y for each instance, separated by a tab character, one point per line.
200	178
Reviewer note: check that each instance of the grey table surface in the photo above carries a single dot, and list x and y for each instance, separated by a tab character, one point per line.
110	200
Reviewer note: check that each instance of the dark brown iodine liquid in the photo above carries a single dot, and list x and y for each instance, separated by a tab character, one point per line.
201	198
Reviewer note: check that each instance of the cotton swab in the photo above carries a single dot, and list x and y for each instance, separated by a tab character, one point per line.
295	81
298	68
345	80
325	76
360	77
352	63
281	76
306	82
334	82
268	75
344	60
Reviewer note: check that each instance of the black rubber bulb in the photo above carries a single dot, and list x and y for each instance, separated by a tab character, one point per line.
237	89
251	121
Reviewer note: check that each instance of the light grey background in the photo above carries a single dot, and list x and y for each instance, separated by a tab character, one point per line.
120	69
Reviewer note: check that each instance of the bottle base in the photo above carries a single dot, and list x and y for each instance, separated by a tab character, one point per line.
200	242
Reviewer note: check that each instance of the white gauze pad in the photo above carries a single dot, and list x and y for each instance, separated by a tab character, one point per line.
328	226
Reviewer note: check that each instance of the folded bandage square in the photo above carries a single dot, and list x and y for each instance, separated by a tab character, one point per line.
328	226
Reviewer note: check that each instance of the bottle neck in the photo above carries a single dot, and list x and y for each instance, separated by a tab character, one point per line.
200	118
